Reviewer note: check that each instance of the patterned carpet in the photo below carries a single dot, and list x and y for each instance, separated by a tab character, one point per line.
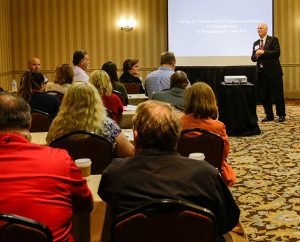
268	172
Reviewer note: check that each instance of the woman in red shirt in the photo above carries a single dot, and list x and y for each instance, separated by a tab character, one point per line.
100	79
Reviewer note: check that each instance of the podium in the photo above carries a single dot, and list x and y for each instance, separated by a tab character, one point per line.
237	109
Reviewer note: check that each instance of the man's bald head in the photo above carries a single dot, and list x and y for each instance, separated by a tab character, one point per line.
34	64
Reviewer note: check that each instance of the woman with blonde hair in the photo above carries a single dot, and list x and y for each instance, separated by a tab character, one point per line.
201	111
100	79
64	75
82	109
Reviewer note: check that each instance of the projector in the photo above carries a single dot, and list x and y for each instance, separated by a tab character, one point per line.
235	79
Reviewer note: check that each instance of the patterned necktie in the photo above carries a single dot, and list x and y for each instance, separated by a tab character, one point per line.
261	47
261	44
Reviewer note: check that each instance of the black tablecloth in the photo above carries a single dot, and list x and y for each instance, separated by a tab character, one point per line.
214	75
237	109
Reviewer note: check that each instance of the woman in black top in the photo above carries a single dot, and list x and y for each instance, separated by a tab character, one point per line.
130	73
111	69
32	90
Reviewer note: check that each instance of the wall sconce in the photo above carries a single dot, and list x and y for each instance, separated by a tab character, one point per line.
127	24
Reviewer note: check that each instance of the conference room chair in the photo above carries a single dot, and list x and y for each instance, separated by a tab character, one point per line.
198	140
14	228
84	144
165	220
181	109
131	87
109	113
58	94
122	97
40	121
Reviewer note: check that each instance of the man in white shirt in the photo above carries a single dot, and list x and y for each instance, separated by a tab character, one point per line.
81	62
160	79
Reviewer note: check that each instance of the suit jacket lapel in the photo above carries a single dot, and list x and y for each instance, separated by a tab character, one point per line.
266	46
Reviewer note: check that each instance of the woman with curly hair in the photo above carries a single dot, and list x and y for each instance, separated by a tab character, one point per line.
100	79
201	111
82	109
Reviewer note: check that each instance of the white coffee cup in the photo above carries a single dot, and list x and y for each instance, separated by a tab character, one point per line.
84	164
197	156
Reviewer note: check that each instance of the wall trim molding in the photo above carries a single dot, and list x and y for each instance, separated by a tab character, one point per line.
290	64
7	73
51	71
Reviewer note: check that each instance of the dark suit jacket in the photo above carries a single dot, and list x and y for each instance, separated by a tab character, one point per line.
152	174
270	59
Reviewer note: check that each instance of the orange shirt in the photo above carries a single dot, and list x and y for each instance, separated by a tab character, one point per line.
216	126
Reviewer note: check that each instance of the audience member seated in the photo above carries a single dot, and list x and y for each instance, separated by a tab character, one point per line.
64	75
130	73
81	63
111	69
175	95
90	115
158	171
100	79
201	111
37	182
160	79
32	90
34	64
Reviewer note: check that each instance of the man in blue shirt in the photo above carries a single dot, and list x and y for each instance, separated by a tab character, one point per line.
160	79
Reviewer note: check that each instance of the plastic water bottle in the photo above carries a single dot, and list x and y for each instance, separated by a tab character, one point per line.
14	86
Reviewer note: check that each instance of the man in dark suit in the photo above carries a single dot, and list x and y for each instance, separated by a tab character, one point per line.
158	171
266	52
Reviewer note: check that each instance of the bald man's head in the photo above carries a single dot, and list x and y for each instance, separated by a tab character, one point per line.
34	64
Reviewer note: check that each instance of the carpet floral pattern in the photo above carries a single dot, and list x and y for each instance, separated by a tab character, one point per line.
268	173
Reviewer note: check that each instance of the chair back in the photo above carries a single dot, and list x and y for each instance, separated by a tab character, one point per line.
131	87
195	140
122	97
165	220
58	94
40	121
84	144
109	113
15	228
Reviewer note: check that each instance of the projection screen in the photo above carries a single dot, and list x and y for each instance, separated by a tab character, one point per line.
216	32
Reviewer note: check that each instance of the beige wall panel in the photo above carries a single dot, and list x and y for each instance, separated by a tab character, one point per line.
287	29
5	45
53	29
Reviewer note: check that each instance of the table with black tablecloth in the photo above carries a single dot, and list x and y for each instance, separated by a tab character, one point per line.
237	109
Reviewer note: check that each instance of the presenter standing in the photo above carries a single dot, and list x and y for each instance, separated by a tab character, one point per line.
266	52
